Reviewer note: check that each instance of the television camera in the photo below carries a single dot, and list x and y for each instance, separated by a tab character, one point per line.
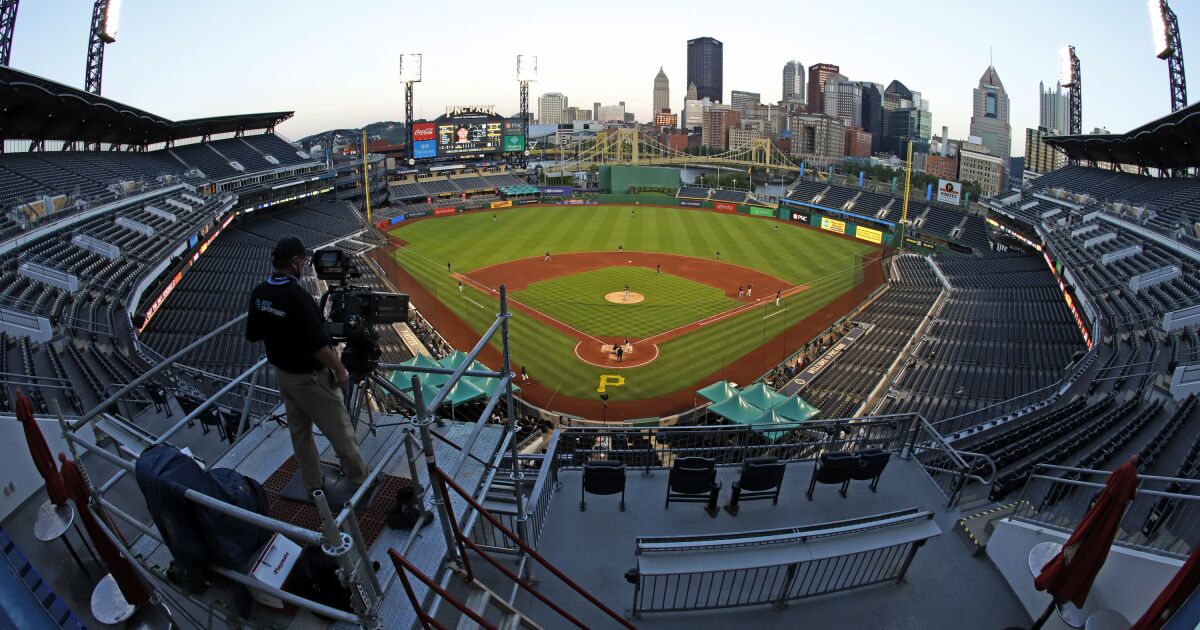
354	311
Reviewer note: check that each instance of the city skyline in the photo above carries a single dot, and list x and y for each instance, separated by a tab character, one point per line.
165	60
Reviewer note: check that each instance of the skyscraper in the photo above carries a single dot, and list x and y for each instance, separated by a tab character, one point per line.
1054	109
872	113
843	98
552	107
662	92
741	100
704	67
989	118
817	75
793	82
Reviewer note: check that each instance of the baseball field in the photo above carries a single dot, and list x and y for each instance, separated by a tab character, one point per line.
689	296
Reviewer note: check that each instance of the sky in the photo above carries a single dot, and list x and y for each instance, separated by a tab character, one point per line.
335	62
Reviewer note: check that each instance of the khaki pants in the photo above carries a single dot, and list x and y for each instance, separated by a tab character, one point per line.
315	398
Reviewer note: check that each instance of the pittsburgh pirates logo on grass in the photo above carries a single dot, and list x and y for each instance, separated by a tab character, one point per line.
610	380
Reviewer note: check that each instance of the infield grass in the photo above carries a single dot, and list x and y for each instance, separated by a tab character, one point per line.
827	265
579	299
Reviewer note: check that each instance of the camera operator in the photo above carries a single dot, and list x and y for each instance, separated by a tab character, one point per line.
308	373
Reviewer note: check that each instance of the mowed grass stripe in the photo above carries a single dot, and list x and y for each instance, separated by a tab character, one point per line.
669	302
472	240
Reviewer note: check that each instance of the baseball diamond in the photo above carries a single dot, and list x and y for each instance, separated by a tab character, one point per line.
695	323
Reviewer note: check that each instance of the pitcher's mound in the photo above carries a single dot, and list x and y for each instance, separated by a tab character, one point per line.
618	297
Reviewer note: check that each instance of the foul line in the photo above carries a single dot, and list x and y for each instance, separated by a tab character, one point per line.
779	312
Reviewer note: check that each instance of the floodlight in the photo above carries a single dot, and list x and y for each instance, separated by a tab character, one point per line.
527	68
1158	26
1066	75
112	21
410	68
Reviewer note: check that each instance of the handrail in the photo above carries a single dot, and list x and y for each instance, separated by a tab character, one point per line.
403	567
446	481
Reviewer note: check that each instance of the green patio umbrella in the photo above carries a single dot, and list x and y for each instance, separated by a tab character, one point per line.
403	379
762	396
718	392
771	417
796	409
736	410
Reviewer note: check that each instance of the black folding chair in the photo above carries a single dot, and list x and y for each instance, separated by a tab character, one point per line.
602	477
835	469
871	463
762	478
694	480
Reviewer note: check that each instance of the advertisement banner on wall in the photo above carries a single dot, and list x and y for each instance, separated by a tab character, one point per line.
425	149
502	204
688	203
761	212
949	192
722	206
417	213
802	217
514	144
447	210
557	190
424	131
833	225
869	235
525	202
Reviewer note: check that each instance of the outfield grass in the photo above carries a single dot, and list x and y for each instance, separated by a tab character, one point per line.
473	240
670	301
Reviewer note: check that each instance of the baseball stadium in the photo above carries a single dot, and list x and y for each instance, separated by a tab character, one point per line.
469	371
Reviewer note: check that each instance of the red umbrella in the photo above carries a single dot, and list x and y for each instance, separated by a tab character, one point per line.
118	565
1069	575
1173	596
42	459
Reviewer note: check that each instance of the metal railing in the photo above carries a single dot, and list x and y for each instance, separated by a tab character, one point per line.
1161	518
793	571
537	505
950	470
658	447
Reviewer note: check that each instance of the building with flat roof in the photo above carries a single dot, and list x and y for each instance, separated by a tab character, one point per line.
1039	156
552	108
989	171
704	67
718	120
817	138
858	143
942	166
818	74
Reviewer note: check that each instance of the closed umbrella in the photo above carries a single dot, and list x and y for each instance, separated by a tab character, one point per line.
1069	575
39	451
1173	596
118	565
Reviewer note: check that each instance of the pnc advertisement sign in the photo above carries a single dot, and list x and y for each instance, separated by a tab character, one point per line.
833	225
722	206
869	235
799	216
424	131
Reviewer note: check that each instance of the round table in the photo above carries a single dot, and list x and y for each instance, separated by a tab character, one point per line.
108	604
1041	554
52	522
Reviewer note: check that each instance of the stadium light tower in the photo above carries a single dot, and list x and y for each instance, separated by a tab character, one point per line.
8	21
1069	77
106	19
410	73
1169	46
527	72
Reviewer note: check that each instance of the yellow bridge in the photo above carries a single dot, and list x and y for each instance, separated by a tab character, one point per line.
630	146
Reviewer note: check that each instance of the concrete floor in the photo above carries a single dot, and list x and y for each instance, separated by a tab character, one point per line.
945	587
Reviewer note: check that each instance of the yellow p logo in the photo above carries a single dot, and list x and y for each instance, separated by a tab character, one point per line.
610	380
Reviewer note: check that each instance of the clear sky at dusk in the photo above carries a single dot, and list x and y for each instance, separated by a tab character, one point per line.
335	62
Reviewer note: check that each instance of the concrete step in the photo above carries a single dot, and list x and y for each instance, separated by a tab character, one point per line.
976	527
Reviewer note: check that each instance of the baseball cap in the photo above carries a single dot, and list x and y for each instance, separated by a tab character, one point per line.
289	247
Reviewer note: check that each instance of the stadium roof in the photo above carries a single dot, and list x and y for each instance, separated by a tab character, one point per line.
33	108
1166	143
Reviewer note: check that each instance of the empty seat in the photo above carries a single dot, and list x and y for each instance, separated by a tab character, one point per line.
833	468
762	477
871	463
602	477
694	480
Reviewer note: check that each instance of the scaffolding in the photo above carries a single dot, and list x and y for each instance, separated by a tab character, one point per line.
339	535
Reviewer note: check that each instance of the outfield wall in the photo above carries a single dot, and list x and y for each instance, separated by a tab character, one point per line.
618	179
